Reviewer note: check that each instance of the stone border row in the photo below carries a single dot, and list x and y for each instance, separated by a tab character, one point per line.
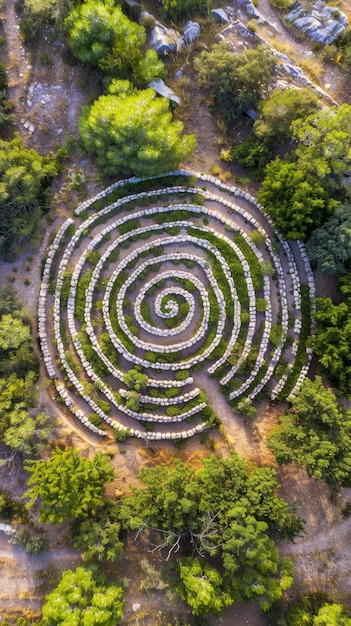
55	246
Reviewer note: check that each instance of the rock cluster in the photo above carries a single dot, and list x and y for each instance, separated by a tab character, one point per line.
321	23
165	40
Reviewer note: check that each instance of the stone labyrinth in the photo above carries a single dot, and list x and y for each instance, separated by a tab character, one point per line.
157	280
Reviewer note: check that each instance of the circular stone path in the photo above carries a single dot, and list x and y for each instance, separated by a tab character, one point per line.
157	278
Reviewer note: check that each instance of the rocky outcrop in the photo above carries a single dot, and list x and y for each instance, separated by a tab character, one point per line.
165	40
166	92
250	8
240	37
221	16
191	31
321	23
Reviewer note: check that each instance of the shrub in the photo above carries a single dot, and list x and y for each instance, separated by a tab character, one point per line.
276	334
121	434
32	540
95	419
257	238
261	305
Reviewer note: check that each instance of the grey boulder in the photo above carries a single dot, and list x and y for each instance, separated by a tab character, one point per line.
165	40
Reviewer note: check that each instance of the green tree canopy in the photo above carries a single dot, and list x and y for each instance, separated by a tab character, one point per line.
201	586
177	10
53	10
132	130
135	380
330	244
16	395
6	106
25	177
68	485
273	127
16	347
83	599
101	35
236	81
295	203
27	434
22	429
98	537
332	343
13	332
315	433
279	110
332	615
324	145
317	609
223	510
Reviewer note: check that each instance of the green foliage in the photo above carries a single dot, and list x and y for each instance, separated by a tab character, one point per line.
93	257
213	509
276	334
330	245
82	286
273	126
296	204
12	510
333	615
96	420
237	81
27	434
99	536
178	10
28	28
315	433
324	145
16	348
261	305
299	196
32	540
332	343
135	380
21	429
200	585
101	35
258	238
281	4
83	599
6	106
253	154
133	401
279	110
68	485
25	177
132	130
251	556
121	434
13	333
52	10
340	50
317	609
246	407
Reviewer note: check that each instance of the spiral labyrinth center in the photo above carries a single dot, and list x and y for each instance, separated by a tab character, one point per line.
154	285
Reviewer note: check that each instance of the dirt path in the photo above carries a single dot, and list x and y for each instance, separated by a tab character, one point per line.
233	424
18	60
19	574
323	561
